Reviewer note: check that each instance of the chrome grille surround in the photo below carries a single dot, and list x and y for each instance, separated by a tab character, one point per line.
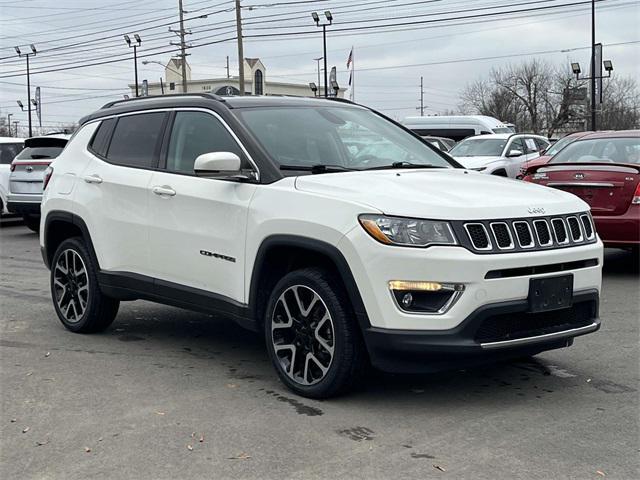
542	226
525	234
489	245
571	222
531	243
511	245
554	223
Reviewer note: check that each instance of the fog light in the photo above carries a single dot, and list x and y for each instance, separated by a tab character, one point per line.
407	300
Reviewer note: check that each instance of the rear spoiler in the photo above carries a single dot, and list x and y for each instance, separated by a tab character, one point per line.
36	142
602	166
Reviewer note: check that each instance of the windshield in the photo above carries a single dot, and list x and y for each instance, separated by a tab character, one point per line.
479	147
8	152
608	150
559	145
34	153
348	137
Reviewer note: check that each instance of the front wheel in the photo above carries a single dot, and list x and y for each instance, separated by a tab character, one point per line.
312	335
76	295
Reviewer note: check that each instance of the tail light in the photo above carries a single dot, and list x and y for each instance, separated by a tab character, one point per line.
47	176
636	196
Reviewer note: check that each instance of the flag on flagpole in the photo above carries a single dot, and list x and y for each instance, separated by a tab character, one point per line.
350	59
350	76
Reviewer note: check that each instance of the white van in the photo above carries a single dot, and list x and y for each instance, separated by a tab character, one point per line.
456	127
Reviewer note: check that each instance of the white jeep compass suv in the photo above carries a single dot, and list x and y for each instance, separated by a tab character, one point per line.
338	233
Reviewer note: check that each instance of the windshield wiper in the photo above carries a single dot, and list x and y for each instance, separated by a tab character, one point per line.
405	165
319	168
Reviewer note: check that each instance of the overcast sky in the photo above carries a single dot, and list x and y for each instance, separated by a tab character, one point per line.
389	61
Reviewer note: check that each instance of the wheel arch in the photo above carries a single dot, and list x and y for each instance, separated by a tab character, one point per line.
60	225
280	254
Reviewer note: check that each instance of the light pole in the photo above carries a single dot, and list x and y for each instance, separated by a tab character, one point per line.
316	18
317	60
27	55
9	115
608	66
135	54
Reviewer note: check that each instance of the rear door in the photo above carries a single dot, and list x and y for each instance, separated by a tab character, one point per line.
113	189
198	225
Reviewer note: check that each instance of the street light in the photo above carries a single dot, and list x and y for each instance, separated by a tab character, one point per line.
575	67
135	54
20	105
27	55
316	18
608	66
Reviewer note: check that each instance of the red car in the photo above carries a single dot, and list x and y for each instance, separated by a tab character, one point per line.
602	168
548	154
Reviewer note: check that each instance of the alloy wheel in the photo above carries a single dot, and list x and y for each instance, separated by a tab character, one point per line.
303	335
71	285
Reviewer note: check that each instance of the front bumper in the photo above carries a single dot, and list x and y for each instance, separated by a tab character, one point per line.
24	204
493	332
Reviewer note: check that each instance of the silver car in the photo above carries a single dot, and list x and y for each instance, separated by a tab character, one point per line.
499	154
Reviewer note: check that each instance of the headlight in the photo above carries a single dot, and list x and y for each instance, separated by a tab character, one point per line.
412	232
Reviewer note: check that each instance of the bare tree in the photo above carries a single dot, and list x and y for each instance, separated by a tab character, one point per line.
620	106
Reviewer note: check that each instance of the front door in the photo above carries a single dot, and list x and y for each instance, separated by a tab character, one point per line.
198	225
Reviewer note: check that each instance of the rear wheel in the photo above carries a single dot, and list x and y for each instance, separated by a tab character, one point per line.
32	222
312	335
77	299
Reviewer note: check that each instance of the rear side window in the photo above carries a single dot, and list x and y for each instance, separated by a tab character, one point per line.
100	142
135	140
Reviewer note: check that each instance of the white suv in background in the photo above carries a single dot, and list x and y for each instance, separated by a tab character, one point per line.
266	210
500	154
9	148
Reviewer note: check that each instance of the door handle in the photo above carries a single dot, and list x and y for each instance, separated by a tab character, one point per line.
163	190
93	178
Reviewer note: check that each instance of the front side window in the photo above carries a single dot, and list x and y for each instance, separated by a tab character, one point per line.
193	134
606	150
348	137
136	139
479	147
8	152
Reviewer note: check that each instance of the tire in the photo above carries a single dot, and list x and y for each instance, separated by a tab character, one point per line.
318	322
32	222
77	287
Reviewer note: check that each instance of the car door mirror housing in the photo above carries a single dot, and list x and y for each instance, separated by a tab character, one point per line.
217	165
514	153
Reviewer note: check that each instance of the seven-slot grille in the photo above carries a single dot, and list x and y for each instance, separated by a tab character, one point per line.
536	233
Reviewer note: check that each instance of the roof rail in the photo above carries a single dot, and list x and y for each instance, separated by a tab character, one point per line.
211	96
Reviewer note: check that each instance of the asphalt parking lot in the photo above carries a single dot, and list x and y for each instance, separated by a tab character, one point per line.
166	393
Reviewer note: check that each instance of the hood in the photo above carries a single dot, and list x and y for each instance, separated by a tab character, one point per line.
452	194
477	162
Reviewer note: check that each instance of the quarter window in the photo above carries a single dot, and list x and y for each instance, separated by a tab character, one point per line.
100	142
135	140
193	134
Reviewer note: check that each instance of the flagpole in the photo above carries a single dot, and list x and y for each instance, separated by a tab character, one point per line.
353	73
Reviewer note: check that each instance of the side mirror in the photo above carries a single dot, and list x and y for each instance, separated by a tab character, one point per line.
217	165
514	153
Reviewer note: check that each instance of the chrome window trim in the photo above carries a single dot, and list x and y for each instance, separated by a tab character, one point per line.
512	245
550	242
185	109
533	243
566	231
489	244
581	238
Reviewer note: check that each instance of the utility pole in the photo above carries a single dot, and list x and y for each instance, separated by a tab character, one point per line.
15	127
593	65
422	96
240	51
228	76
183	47
9	115
20	54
